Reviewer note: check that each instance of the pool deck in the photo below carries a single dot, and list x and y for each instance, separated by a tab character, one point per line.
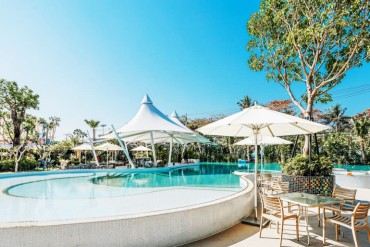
245	235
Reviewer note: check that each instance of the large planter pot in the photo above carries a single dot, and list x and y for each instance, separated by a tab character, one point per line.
322	185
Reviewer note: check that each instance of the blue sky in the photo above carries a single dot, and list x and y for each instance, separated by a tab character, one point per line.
96	59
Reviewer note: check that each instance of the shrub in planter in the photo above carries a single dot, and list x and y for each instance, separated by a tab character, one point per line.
301	166
313	178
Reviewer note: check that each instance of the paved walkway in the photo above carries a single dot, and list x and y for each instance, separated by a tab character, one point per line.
245	235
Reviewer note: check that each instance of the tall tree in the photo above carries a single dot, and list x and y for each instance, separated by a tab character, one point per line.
335	116
16	101
309	45
93	124
244	102
361	130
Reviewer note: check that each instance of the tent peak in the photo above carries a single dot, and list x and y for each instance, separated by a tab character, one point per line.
174	114
146	100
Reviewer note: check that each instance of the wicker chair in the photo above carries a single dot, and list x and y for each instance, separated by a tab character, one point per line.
357	222
273	210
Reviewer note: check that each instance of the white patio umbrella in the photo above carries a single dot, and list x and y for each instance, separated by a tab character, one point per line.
141	148
264	140
108	147
83	147
148	123
260	121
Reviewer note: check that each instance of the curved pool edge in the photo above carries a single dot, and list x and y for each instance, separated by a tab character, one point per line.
173	227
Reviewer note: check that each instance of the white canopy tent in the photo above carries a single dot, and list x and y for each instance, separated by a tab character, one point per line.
260	121
149	123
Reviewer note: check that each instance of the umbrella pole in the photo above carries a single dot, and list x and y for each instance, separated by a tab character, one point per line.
255	171
153	149
107	158
170	154
85	157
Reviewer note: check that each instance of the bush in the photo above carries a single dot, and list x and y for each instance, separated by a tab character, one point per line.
300	166
26	164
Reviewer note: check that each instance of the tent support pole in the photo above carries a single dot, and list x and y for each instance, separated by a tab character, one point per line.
153	149
92	148
123	148
170	154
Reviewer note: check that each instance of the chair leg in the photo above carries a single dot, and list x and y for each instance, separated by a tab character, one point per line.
281	233
261	226
336	232
368	234
297	228
277	227
323	231
354	236
318	216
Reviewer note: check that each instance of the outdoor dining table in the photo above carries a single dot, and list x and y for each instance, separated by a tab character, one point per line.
305	201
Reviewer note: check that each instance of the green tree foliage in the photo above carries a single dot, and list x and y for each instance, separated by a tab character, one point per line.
14	103
335	116
361	130
309	45
341	148
93	124
245	102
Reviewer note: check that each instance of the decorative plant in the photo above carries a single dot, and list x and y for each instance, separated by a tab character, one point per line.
301	166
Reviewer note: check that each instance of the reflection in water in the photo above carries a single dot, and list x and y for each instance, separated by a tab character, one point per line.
128	182
203	176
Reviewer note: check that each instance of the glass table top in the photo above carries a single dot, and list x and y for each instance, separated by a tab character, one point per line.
309	200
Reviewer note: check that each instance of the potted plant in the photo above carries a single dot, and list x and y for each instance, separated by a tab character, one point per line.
314	177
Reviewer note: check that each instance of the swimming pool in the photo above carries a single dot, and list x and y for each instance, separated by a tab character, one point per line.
277	167
169	206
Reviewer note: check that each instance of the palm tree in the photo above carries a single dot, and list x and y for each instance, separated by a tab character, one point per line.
92	124
53	124
361	130
245	102
45	126
335	117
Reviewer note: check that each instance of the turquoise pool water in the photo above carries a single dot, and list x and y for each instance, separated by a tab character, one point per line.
276	167
114	183
117	183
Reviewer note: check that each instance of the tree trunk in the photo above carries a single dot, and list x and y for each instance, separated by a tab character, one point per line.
306	145
16	164
94	134
248	154
17	134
